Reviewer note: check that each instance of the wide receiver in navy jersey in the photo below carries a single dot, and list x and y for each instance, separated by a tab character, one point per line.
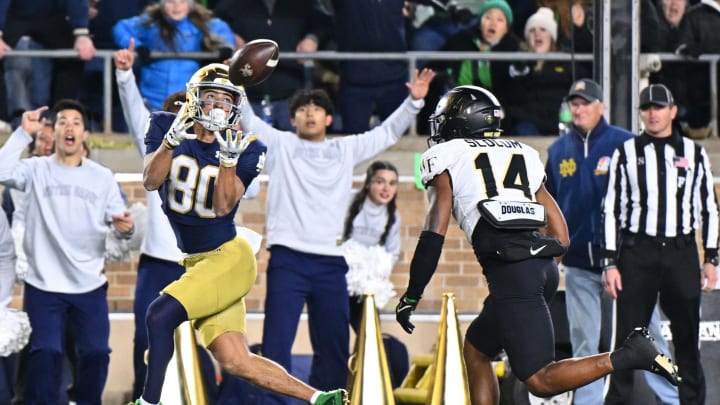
201	167
494	188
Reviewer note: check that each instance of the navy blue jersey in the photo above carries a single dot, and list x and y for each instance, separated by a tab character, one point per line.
188	190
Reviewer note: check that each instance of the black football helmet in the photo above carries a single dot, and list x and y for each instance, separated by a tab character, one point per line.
466	112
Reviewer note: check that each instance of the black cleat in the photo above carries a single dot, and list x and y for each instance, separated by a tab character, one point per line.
644	355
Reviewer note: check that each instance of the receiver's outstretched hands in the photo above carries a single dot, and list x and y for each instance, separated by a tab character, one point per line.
231	146
178	131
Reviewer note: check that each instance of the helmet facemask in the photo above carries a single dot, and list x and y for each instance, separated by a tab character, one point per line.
437	120
223	114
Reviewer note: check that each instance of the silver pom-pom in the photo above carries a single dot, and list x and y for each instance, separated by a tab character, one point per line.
15	331
370	268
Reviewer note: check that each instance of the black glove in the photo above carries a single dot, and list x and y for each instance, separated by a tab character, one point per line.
403	310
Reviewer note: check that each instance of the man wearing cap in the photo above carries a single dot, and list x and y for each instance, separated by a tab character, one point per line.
577	169
660	189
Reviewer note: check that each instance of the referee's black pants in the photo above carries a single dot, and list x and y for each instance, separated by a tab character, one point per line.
670	267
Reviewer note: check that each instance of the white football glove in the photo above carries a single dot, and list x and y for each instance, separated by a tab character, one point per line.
232	146
178	131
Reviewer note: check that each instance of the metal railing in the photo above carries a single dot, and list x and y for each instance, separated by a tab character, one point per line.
412	57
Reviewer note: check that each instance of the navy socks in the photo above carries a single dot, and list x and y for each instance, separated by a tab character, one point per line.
163	316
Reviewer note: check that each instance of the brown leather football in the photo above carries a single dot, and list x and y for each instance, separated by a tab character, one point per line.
254	62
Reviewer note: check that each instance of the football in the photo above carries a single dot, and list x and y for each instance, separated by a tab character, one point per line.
254	62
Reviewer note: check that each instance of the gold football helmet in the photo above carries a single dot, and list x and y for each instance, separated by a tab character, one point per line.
223	114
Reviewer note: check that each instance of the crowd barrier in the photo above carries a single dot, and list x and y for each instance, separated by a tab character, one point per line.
411	57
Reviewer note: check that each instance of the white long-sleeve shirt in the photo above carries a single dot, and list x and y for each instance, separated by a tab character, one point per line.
7	263
68	212
369	225
309	190
159	241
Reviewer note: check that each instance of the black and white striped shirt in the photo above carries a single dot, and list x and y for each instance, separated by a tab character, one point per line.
660	187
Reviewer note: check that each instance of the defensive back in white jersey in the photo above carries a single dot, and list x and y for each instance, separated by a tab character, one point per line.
480	169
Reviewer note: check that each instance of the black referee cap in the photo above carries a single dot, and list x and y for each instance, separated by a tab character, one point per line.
656	94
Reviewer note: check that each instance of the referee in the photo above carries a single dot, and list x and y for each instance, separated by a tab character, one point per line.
660	191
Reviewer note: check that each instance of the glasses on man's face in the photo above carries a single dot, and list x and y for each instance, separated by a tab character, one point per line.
575	104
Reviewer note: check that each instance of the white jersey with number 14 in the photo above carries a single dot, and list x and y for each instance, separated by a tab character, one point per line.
481	169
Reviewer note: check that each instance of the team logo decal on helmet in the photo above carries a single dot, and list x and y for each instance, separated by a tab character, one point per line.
466	112
223	114
247	70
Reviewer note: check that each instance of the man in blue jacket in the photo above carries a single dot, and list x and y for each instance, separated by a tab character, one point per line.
577	171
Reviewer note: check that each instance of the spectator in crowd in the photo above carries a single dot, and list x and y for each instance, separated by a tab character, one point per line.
297	26
577	168
371	246
220	267
372	232
103	16
306	202
435	25
65	288
673	74
53	24
577	24
660	190
649	26
27	80
542	85
42	144
7	283
491	34
462	172
369	87
522	10
13	200
574	23
699	36
7	263
172	26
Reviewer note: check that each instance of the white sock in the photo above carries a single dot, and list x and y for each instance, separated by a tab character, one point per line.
314	397
144	402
